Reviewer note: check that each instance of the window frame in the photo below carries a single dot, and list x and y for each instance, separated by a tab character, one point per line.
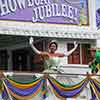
80	52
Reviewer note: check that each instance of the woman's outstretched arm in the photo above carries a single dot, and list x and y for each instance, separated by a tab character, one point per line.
69	52
72	50
33	47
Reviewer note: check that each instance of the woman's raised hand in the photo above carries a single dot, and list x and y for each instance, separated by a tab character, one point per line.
31	40
75	44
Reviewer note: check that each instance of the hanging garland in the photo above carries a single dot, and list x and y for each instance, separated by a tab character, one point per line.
23	84
96	86
18	90
68	91
28	90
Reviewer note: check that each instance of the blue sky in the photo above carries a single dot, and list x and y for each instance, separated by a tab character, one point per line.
97	4
82	0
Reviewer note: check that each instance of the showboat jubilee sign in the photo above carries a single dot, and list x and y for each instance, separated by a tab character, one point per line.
45	11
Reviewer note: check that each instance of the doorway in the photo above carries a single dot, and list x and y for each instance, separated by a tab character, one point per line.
19	59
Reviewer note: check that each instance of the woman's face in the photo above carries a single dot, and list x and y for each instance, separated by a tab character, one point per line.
53	48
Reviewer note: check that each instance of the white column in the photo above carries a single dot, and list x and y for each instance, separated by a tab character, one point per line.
98	43
92	14
1	96
62	48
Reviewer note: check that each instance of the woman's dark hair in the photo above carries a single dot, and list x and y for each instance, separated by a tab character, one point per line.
53	42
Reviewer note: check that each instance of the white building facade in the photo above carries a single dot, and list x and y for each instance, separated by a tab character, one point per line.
15	32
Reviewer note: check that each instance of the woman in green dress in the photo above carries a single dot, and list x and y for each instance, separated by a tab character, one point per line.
51	58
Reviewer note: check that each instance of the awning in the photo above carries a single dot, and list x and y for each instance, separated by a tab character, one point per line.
76	35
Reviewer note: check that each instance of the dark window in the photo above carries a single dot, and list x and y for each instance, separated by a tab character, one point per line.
3	60
19	59
35	60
